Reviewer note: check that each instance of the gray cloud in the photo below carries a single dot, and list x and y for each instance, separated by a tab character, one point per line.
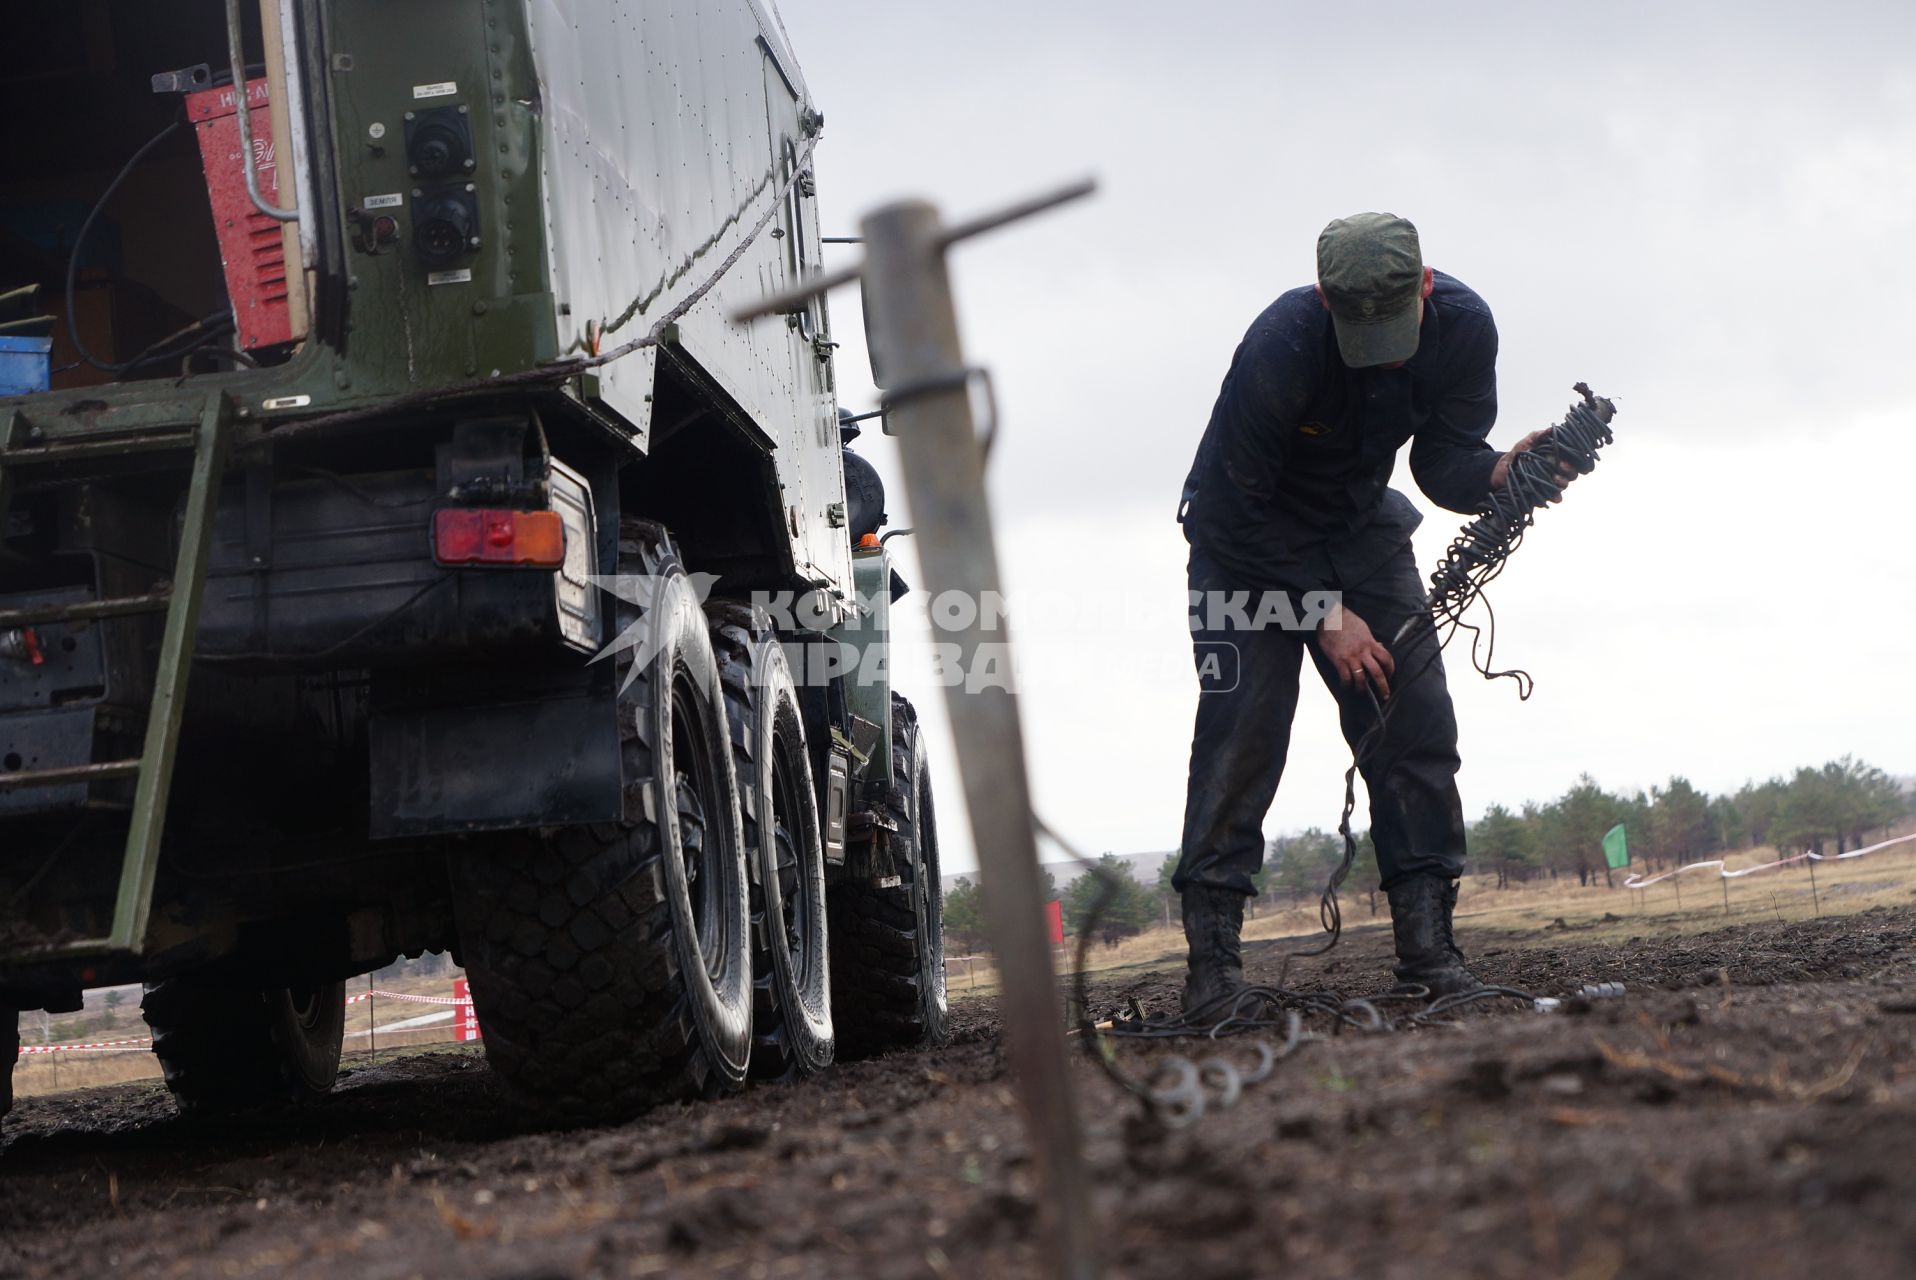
1705	210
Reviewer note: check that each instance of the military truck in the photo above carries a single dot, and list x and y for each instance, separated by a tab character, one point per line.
399	529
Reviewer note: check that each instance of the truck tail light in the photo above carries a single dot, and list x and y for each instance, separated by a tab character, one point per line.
485	536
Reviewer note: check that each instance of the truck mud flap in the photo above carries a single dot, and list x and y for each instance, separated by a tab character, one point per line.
490	750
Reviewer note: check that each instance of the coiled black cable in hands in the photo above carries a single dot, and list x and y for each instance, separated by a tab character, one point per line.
1475	557
1478	553
1175	1092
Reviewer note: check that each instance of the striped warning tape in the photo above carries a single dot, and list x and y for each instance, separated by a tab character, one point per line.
130	1046
405	999
1637	881
97	1046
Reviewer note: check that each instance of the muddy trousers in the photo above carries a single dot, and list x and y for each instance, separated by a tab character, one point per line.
1248	681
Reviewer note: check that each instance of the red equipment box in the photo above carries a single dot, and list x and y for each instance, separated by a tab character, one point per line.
252	245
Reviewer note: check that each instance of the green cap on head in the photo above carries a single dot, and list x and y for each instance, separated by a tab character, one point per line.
1371	270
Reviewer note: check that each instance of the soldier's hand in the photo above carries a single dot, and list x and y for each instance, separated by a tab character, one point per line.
1500	474
1358	656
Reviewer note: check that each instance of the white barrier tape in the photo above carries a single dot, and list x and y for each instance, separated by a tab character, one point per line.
1635	881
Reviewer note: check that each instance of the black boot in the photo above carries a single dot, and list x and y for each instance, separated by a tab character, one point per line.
1213	919
1427	954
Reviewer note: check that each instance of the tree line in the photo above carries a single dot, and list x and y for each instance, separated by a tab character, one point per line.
1836	807
1833	808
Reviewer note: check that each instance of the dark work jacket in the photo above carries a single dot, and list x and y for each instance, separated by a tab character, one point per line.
1290	487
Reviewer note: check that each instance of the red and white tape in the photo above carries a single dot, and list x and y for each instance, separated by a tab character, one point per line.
97	1046
466	1027
405	999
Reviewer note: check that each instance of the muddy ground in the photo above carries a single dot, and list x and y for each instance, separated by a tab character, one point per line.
1748	1109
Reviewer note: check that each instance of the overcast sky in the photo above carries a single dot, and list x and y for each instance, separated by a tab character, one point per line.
1706	211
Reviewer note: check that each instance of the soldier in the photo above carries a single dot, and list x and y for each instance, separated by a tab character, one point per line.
1289	495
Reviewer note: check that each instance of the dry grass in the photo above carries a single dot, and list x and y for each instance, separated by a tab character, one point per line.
61	1072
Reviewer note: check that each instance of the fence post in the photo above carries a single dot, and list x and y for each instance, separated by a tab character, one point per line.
914	328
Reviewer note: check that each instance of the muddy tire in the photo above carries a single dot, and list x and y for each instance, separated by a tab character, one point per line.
888	945
226	1048
610	964
9	1055
791	964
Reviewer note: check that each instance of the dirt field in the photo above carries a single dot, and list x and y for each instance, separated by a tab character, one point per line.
1747	1109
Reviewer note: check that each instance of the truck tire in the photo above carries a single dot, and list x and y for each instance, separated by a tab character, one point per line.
10	1054
888	944
610	964
227	1048
791	962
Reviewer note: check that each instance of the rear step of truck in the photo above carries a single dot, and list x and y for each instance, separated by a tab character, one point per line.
179	601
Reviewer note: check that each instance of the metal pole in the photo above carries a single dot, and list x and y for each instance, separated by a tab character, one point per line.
1726	894
1816	903
915	323
372	1018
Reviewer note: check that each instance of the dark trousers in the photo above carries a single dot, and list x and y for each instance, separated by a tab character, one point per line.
1249	682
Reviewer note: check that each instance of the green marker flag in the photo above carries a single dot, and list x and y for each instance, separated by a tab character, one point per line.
1616	847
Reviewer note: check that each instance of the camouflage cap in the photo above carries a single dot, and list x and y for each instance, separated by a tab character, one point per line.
1371	270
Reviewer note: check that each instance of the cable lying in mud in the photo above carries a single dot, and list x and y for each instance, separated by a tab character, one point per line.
1179	1089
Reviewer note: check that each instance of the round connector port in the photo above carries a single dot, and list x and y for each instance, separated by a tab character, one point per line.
443	229
439	150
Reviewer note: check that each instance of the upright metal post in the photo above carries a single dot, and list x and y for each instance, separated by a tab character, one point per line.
915	325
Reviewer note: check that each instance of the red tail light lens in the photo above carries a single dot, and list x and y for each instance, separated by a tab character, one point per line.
483	536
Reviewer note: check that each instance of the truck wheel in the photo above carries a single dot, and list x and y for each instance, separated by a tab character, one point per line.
225	1048
792	1007
609	963
888	941
10	1052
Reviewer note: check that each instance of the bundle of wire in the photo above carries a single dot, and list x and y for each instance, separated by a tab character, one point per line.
1176	1091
